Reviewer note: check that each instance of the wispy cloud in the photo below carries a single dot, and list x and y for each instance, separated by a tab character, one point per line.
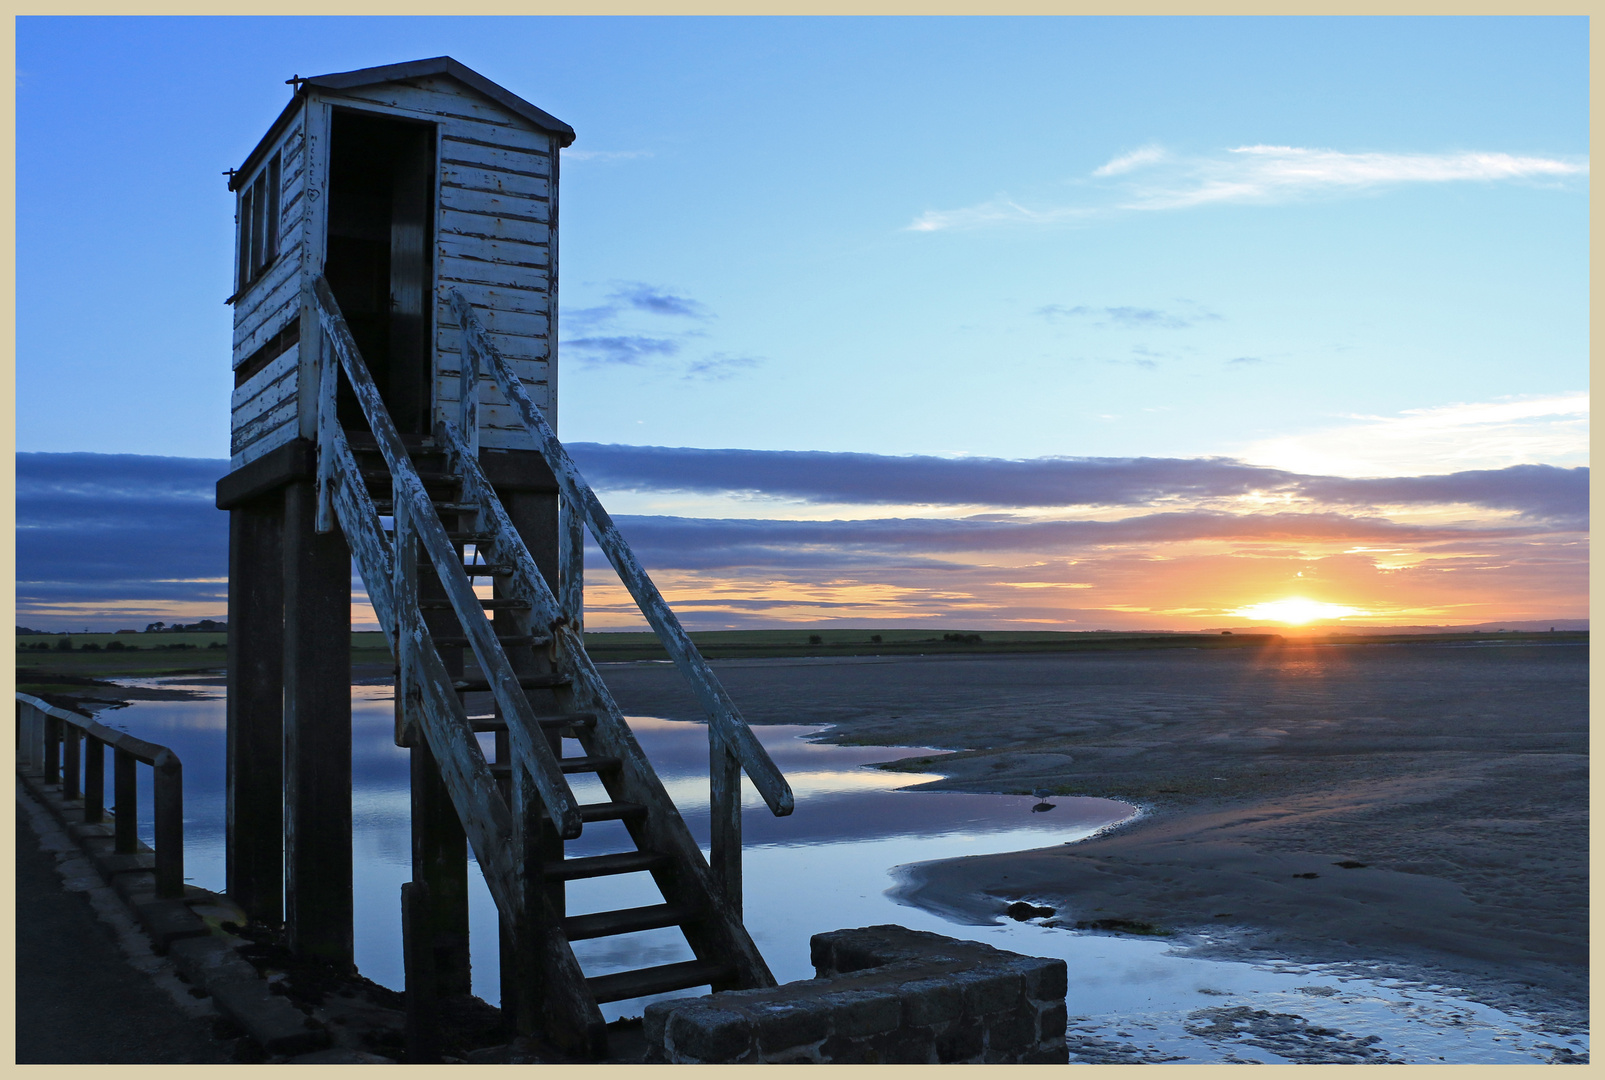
638	324
718	366
1153	179
604	155
1549	429
1283	173
1147	155
1139	318
633	349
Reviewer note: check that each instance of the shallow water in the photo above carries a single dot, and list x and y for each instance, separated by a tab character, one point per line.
832	864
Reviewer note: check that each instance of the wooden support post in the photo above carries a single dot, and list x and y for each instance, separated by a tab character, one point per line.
94	780
418	963
724	819
255	750
70	762
52	750
440	864
317	732
571	567
168	822
126	809
439	845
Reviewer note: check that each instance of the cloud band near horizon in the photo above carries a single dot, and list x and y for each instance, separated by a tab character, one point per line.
120	538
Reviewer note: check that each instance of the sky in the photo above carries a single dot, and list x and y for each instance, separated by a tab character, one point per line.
1078	323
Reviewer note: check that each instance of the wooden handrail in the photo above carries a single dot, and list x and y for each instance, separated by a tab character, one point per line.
41	737
534	753
729	727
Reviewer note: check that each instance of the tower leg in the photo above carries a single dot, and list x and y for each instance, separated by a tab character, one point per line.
317	732
255	749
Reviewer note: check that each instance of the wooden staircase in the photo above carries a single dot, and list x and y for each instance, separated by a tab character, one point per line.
532	684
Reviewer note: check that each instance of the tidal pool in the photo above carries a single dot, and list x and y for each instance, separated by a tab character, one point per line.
833	863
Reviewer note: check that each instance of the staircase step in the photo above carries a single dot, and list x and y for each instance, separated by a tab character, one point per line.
589	812
428	476
547	723
587	764
513	639
493	605
445	506
657	980
625	921
624	862
526	682
487	570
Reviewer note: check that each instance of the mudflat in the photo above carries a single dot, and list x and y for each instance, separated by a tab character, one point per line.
1417	810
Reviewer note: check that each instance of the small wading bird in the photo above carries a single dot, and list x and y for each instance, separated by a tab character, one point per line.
1043	805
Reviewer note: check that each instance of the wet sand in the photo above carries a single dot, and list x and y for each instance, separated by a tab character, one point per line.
1456	775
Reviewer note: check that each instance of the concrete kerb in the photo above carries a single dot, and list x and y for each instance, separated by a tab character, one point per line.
196	949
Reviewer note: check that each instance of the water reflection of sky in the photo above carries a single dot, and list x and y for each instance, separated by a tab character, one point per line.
828	866
823	867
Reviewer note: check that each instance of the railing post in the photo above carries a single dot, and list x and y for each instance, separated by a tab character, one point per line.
468	389
571	564
126	809
70	763
404	597
724	818
94	780
169	825
328	384
52	749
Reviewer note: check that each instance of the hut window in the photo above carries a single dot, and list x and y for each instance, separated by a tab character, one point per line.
259	223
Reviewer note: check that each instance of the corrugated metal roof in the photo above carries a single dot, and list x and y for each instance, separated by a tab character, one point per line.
412	69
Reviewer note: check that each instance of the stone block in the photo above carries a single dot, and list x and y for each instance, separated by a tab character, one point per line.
1052	1020
211	959
930	1001
863	1012
784	1024
166	921
269	1020
989	991
710	1034
961	1041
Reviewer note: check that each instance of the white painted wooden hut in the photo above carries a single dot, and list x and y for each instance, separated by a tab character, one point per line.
399	183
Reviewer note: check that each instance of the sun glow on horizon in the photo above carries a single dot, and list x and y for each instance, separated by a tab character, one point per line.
1295	610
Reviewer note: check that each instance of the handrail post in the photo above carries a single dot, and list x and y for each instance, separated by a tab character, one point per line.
328	384
571	564
126	809
724	819
52	749
468	390
169	825
404	598
94	780
70	763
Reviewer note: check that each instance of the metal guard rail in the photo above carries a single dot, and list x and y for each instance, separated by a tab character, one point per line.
729	731
49	740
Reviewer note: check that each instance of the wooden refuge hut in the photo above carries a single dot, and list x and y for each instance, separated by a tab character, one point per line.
395	372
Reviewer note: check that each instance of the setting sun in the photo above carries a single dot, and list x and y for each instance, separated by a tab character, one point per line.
1295	610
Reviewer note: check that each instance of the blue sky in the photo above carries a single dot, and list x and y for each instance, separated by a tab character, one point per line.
1331	247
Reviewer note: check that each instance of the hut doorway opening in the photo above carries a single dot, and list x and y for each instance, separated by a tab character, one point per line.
381	218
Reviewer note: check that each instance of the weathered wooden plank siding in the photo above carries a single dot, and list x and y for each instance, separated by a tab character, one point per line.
461	150
264	407
456	108
273	428
268	387
494	242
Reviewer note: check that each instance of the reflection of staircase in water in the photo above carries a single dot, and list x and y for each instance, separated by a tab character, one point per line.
534	688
